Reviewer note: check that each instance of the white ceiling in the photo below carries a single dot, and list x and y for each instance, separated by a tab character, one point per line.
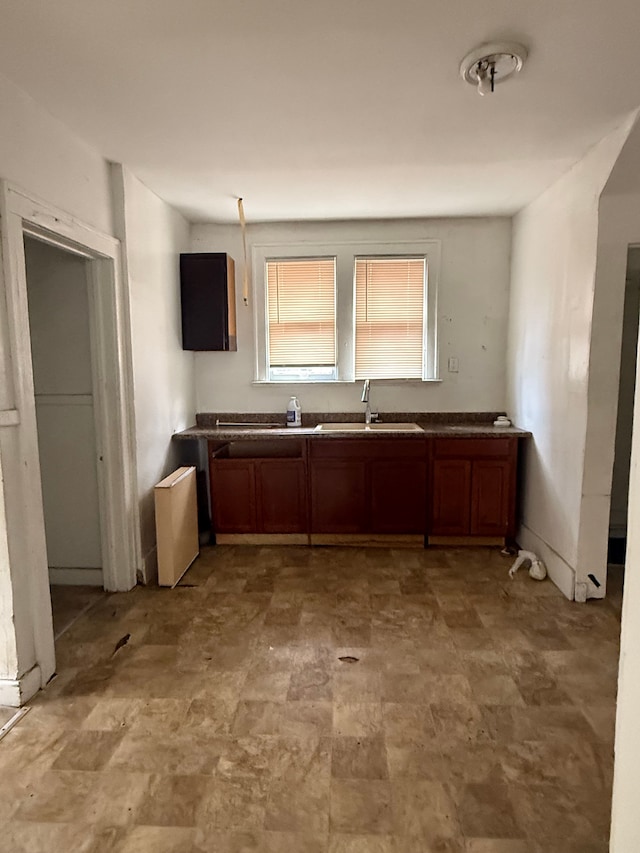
315	109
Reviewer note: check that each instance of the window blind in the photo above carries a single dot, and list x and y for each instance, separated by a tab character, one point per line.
301	298
389	317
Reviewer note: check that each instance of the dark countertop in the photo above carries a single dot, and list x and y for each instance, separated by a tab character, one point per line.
429	429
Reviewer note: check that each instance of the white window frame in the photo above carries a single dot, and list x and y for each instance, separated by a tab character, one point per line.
345	254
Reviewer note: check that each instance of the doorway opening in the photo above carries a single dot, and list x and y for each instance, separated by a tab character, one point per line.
624	423
64	373
29	652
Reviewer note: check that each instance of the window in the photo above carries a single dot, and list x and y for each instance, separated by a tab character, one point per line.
338	312
301	312
390	317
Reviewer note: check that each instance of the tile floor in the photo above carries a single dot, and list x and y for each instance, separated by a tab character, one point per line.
70	602
6	714
477	718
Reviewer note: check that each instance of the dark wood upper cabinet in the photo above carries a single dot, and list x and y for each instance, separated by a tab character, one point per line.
207	289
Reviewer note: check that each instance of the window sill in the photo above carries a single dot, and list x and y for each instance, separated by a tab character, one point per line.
374	382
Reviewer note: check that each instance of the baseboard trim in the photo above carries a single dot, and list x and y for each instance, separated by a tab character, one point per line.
369	540
75	577
559	571
466	540
262	539
15	692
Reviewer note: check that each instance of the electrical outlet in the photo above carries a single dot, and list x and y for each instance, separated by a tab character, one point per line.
453	365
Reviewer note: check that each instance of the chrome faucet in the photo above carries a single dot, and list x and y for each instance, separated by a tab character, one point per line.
365	399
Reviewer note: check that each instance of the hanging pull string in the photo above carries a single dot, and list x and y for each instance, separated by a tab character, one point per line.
243	228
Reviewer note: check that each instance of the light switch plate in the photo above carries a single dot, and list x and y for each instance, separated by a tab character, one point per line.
453	365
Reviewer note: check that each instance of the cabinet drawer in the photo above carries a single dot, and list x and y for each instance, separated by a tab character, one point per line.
333	448
472	448
372	448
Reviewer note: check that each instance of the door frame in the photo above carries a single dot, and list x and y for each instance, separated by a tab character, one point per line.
618	228
20	215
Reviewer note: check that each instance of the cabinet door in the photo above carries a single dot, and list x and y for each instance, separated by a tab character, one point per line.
490	497
451	497
233	496
398	496
207	293
282	495
338	496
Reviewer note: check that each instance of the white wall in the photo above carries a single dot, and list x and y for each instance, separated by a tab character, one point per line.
40	155
153	235
553	277
58	294
473	304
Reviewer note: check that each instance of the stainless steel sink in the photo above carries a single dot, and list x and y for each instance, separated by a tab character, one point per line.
395	427
360	427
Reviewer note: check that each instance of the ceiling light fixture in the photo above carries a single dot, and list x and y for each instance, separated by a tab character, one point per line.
490	64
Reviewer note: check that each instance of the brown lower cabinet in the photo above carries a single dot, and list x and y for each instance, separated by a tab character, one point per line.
474	487
281	491
233	496
370	486
398	497
339	496
491	498
257	495
451	501
375	485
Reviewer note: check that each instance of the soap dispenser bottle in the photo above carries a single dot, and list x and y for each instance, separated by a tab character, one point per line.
294	413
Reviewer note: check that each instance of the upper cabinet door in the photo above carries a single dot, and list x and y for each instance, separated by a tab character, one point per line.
207	288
